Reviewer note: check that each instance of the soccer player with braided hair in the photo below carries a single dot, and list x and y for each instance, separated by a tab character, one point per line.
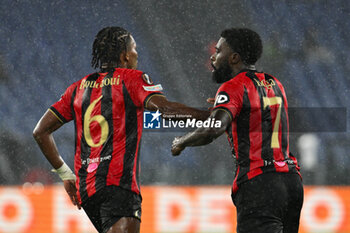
107	109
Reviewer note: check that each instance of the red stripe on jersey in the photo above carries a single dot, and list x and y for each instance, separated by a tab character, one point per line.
256	163
253	173
116	165
235	186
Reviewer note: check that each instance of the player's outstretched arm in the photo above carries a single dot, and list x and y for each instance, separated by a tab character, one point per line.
202	136
166	107
43	136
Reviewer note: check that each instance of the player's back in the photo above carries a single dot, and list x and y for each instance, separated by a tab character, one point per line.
108	126
259	133
266	106
104	104
107	109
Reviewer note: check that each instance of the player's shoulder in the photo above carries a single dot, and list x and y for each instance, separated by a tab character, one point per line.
258	76
277	81
235	82
270	76
240	78
77	83
82	81
134	76
128	73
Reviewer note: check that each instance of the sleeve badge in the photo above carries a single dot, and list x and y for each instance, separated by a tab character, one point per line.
222	98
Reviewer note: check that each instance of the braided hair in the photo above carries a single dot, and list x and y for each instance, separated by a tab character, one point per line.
109	43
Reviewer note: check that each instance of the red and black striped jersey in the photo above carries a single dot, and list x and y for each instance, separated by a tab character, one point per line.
259	132
107	109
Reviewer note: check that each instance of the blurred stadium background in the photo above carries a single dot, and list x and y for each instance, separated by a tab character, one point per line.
46	45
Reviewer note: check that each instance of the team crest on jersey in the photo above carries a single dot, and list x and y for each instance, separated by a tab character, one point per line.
147	79
222	98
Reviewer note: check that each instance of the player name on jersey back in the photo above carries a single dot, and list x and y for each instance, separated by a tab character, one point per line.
105	82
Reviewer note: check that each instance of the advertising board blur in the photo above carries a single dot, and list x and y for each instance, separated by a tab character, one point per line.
39	209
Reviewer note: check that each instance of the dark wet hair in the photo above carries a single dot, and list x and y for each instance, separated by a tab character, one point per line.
245	42
109	43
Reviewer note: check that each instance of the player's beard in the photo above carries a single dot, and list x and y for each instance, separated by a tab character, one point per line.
222	74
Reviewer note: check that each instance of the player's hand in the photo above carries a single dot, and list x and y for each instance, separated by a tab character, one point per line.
69	186
177	147
211	101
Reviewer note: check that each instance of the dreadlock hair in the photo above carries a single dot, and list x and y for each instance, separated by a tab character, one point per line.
245	42
109	43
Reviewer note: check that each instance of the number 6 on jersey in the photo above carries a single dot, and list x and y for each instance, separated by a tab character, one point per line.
100	120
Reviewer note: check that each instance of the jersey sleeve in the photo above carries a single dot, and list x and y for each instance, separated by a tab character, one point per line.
62	108
142	89
229	98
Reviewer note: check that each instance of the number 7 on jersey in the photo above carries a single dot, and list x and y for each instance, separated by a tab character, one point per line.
269	101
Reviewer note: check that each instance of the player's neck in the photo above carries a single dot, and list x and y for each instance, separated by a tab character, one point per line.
106	67
112	65
242	67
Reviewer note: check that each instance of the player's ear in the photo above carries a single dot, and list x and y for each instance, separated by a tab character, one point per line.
234	58
124	58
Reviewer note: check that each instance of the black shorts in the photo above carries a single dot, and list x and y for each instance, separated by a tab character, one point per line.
110	204
270	202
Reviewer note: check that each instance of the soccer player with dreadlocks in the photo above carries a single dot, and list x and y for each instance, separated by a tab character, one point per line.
107	109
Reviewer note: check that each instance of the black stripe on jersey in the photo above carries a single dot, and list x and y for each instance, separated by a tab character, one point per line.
232	144
63	120
84	147
266	120
243	132
284	124
130	139
107	149
243	137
